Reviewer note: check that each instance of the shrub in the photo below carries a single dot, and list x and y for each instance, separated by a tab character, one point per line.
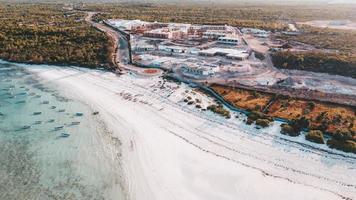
249	121
342	135
258	107
254	115
260	118
311	105
346	146
315	136
299	124
219	109
190	102
263	123
289	130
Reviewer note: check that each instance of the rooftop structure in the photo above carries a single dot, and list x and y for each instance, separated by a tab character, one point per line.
172	49
213	34
229	39
197	71
256	32
128	24
235	54
170	32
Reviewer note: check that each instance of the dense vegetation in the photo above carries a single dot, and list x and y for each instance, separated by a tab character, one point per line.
334	120
325	38
265	16
317	61
337	54
47	34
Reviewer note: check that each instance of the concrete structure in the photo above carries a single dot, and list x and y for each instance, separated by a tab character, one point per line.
196	71
235	54
214	27
229	39
129	25
213	35
256	32
172	49
166	33
143	48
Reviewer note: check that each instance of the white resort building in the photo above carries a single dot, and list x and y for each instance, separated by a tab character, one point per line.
229	39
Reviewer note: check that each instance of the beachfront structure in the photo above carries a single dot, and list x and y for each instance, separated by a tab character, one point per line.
129	25
144	48
229	39
172	49
235	54
213	35
157	33
256	32
196	70
214	27
166	33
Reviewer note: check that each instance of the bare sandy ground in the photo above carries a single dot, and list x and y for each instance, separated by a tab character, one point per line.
173	151
334	24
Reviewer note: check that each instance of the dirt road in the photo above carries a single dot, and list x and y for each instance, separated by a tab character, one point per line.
114	36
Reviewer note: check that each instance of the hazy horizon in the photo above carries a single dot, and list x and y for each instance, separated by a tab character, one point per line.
282	2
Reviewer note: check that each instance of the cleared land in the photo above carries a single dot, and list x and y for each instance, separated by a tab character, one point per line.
333	24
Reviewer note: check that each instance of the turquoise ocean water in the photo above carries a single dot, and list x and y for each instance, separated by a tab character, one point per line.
52	147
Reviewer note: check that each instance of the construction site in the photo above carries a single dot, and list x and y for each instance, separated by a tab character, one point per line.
225	55
193	51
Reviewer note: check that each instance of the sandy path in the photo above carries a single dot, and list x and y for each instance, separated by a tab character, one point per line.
172	151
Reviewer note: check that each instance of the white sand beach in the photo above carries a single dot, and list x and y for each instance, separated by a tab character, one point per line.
174	151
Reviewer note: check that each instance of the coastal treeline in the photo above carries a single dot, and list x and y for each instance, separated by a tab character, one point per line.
336	52
316	61
44	33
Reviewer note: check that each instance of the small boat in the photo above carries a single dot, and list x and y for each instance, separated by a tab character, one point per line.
64	135
58	128
95	113
51	121
61	110
25	127
79	114
75	123
19	102
37	113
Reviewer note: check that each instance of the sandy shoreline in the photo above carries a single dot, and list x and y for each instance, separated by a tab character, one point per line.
173	151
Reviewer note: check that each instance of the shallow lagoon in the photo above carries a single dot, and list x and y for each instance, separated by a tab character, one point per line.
52	147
